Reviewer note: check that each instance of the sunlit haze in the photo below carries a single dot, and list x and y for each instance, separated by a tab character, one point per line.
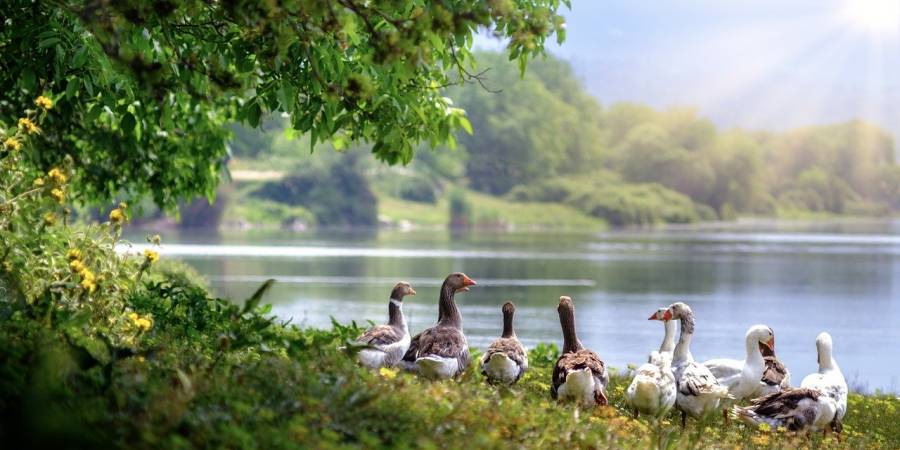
763	64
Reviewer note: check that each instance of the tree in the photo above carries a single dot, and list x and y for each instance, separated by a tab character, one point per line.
144	88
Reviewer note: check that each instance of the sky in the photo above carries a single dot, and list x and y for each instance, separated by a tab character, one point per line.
756	64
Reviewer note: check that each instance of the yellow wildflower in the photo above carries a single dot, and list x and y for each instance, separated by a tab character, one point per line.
28	126
58	195
155	239
140	359
151	256
133	316
44	102
57	176
38	182
88	281
123	205
73	254
116	216
765	428
760	440
76	266
49	219
143	324
12	144
388	374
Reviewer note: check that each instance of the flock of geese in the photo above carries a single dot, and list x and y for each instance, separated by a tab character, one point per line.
670	378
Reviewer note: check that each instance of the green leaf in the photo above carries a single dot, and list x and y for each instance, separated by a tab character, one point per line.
257	296
465	124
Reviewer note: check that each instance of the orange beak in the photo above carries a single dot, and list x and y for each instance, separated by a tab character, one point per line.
771	344
466	283
653	317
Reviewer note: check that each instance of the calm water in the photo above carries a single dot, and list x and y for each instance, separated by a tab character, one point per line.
840	278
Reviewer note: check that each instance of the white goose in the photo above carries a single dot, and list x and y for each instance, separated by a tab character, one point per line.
668	342
699	393
652	391
829	380
742	378
387	342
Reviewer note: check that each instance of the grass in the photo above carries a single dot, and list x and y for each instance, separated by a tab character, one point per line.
489	211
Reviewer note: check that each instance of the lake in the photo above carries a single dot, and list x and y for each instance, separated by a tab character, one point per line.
800	279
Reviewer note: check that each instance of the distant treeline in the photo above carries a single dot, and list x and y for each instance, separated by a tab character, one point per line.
544	138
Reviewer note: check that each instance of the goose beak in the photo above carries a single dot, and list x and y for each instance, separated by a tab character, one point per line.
771	344
653	317
466	283
411	291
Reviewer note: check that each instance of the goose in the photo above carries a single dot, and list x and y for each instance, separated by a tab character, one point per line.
742	378
699	392
505	360
387	342
668	342
578	375
652	391
829	380
795	409
776	377
442	352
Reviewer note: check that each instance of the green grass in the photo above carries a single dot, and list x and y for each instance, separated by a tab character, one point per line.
211	374
489	211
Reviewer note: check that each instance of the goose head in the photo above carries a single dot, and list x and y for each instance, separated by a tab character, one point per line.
763	335
663	314
402	289
459	281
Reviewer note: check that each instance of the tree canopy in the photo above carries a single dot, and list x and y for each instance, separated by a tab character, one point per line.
144	89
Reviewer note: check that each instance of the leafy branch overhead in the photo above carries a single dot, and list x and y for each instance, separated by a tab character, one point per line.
144	88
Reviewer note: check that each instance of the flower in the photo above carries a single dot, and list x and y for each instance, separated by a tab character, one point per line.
88	281
57	176
151	256
155	239
389	374
58	195
143	324
38	182
73	254
44	102
76	266
29	126
123	205
12	144
49	219
116	216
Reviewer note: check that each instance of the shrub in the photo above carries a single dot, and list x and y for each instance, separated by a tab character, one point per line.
337	195
460	210
418	188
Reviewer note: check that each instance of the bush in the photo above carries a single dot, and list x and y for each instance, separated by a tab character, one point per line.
418	189
337	195
460	210
637	204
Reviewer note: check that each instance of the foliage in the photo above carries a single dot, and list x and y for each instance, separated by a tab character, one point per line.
146	87
538	135
336	194
532	129
460	210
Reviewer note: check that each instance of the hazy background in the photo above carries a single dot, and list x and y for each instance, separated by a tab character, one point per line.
757	64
